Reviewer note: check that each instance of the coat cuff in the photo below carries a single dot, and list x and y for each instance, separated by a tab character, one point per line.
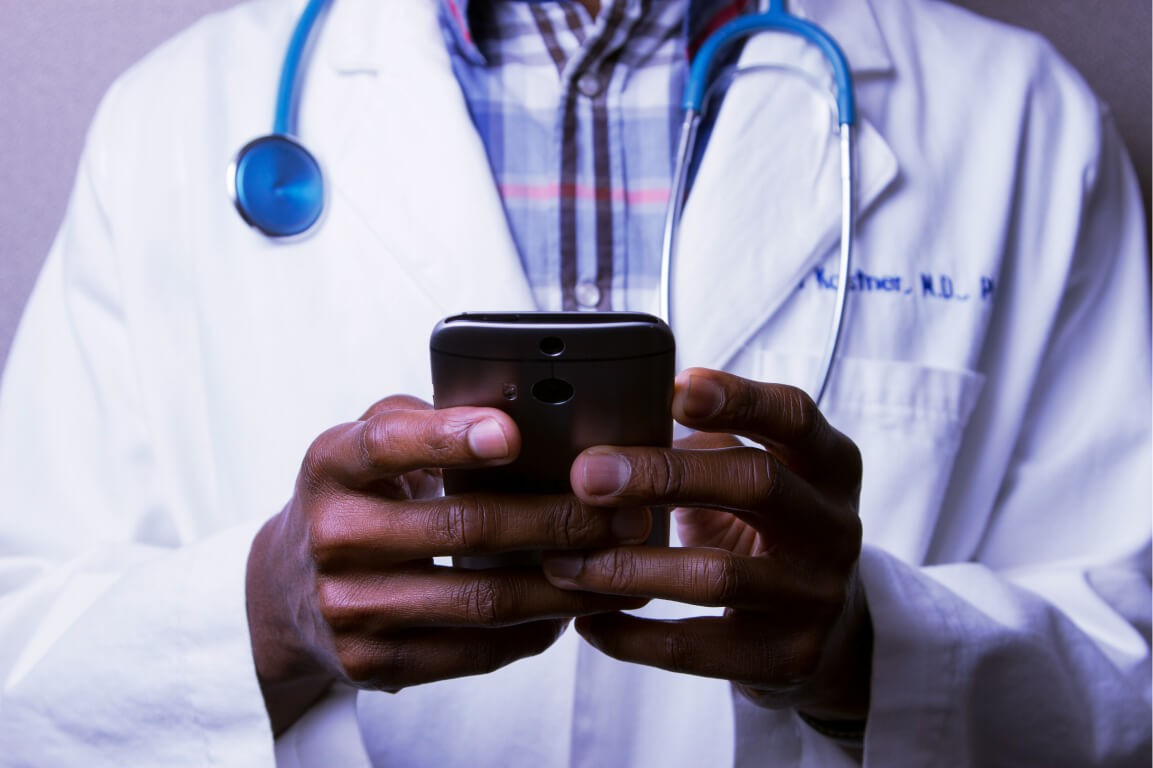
155	662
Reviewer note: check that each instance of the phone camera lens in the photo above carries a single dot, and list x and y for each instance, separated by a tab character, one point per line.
509	391
552	346
553	391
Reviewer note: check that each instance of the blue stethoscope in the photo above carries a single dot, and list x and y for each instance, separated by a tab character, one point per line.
278	187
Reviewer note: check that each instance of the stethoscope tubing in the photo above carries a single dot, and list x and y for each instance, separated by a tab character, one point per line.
696	96
288	88
840	306
300	182
776	19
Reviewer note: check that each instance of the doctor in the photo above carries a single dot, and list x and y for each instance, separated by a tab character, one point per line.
946	564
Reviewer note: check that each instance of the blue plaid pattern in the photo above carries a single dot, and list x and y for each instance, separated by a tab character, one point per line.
579	118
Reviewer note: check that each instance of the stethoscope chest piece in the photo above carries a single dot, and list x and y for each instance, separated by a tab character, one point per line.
277	186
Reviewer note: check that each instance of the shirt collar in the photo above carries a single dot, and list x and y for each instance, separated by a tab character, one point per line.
852	24
456	19
465	20
703	18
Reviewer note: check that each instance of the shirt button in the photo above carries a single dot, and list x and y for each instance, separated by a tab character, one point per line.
588	295
590	84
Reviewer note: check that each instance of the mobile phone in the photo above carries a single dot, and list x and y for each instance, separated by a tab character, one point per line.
570	380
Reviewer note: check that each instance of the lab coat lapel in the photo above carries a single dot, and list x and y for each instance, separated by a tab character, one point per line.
392	109
766	203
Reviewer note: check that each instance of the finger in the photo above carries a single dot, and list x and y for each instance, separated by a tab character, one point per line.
422	656
707	577
772	414
706	440
753	484
750	650
448	597
396	403
365	532
393	442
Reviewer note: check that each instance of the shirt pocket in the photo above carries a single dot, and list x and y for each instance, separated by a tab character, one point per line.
908	420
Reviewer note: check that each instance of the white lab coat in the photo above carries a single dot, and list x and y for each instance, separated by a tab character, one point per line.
173	367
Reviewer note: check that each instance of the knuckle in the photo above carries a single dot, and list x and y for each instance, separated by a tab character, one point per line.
488	658
786	665
314	477
851	463
621	570
572	527
680	653
855	534
443	438
386	435
805	655
666	475
495	655
844	539
764	475
334	604
719	580
828	604
475	523
443	522
370	663
567	521
376	439
463	523
479	601
328	541
801	412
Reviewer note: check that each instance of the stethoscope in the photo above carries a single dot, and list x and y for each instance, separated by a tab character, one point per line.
278	187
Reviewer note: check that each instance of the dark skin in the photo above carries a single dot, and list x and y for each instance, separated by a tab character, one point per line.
341	584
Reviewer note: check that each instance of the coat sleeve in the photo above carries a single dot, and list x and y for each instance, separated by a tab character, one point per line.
123	634
1035	650
1031	646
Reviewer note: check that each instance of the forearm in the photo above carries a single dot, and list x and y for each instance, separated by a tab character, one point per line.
290	680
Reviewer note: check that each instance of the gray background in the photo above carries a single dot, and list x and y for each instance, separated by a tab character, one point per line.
58	56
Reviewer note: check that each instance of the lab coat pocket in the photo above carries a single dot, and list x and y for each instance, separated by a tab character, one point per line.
908	420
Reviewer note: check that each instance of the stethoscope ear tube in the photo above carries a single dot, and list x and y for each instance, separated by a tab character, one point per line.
840	306
675	208
777	19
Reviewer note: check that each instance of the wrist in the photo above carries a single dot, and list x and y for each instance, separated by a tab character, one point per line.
290	679
838	692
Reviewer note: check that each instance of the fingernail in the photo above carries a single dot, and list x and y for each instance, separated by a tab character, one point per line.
630	524
486	440
606	474
564	567
702	398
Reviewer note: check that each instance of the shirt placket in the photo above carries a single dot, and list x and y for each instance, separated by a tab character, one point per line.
587	207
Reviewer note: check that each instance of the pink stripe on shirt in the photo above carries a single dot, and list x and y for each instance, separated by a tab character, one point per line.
553	191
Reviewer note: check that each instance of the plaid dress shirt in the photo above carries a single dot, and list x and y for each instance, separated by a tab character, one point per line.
579	117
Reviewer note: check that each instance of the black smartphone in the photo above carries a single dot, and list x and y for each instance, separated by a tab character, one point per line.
570	380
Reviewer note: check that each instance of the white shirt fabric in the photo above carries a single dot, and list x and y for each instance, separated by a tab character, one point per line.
173	367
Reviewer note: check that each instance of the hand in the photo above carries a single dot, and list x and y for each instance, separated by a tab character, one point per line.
342	586
772	535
